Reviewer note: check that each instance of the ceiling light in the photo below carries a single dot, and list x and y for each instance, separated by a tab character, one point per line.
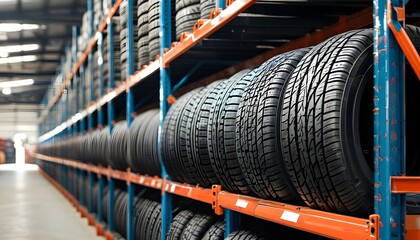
6	91
26	58
16	83
16	27
5	50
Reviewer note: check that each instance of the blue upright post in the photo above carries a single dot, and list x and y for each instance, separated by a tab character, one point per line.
111	85
110	206
221	4
388	122
165	91
90	63
100	196
130	71
101	78
232	221
75	48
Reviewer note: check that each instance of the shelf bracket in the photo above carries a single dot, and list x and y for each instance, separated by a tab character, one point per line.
216	189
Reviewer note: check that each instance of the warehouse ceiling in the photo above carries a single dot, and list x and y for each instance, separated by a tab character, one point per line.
47	30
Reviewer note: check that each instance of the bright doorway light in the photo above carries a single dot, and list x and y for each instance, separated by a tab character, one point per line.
16	27
6	91
16	83
26	58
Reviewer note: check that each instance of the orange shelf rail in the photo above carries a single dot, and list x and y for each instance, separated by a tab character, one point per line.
315	221
204	28
404	184
80	61
322	223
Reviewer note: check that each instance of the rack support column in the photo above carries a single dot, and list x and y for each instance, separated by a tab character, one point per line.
388	121
165	91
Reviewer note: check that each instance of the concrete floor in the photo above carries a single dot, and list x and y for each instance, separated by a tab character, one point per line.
31	208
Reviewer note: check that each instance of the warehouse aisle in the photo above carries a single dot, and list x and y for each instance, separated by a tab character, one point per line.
31	208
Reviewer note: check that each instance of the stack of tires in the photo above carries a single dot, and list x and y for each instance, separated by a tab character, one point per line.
143	154
143	32
187	14
98	13
116	51
196	224
118	146
297	129
153	30
124	37
96	75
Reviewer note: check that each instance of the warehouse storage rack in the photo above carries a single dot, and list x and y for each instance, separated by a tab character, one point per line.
391	43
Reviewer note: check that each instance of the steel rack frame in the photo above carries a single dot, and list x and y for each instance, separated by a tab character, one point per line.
391	44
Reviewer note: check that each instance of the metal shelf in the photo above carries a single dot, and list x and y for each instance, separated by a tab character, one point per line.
303	218
388	168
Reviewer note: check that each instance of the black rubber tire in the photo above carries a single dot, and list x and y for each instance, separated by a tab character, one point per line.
318	137
258	131
143	9
221	136
194	125
178	224
216	231
206	6
198	226
170	143
413	203
118	146
245	235
180	4
186	18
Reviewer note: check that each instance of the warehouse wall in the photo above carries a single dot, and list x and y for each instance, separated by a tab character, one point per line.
19	119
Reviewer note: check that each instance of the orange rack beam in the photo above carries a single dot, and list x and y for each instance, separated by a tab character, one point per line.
315	221
405	184
204	28
80	61
322	223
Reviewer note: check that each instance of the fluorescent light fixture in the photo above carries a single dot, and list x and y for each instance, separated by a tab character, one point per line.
19	48
16	83
5	50
17	59
6	91
16	27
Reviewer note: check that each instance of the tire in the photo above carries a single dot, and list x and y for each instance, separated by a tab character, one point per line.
194	131
198	226
186	18
216	231
206	6
180	4
258	131
245	235
178	224
221	136
320	141
170	143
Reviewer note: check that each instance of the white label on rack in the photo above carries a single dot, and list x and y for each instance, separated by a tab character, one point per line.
290	216
153	182
141	180
241	203
159	185
166	187
172	188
